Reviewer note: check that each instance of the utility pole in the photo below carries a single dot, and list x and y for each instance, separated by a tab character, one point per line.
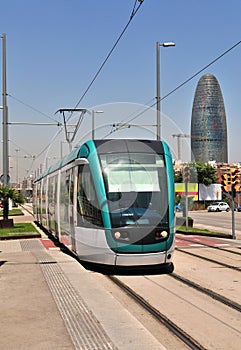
186	179
5	176
158	94
230	184
158	87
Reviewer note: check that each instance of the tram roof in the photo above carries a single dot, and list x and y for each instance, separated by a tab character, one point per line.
83	151
66	160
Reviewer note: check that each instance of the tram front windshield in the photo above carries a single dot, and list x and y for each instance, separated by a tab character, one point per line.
136	186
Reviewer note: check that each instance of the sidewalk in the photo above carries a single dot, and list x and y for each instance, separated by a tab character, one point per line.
29	316
50	302
224	230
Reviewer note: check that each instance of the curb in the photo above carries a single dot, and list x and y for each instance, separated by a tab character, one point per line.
217	235
21	236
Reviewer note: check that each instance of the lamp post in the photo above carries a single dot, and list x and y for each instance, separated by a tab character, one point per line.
93	122
158	87
5	176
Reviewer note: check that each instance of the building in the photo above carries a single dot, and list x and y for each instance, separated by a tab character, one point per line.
208	124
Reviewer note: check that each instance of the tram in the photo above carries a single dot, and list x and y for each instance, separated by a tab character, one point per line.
111	202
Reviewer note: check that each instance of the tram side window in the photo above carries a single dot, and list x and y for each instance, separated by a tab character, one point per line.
87	206
64	197
71	196
37	199
50	192
44	197
71	188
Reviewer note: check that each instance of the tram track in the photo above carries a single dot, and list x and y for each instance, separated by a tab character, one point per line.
187	305
236	268
160	317
29	211
211	246
207	291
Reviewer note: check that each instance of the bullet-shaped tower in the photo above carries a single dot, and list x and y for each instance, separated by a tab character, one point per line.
208	125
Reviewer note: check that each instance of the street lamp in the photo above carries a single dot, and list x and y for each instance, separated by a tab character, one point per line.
4	106
158	88
93	122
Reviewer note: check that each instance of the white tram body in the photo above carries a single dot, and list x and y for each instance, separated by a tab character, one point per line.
111	202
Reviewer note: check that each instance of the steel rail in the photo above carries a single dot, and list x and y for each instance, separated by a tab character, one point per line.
181	334
210	246
207	291
210	260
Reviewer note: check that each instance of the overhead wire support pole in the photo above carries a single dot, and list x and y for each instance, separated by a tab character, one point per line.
233	218
158	95
5	175
158	87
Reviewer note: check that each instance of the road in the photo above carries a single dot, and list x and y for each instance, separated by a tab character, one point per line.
220	221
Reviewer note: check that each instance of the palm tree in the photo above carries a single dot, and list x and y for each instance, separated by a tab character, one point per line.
7	193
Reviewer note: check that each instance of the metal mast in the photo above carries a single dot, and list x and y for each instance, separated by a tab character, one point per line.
5	177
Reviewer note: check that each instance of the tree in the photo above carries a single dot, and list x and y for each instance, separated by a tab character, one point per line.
178	176
199	172
207	174
7	193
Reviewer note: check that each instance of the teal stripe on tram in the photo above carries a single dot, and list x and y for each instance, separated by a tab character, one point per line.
98	181
171	192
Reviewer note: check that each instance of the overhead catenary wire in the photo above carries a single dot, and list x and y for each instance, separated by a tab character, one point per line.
201	70
33	108
46	148
164	97
21	148
134	11
123	123
105	61
178	87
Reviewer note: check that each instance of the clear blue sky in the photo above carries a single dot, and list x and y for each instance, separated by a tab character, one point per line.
55	47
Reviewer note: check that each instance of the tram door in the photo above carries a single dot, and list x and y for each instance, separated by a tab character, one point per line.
52	204
67	208
71	207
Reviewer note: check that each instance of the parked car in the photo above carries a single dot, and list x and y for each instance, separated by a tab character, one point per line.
219	206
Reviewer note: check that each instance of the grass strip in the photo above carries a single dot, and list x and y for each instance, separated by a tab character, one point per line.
13	212
19	228
192	230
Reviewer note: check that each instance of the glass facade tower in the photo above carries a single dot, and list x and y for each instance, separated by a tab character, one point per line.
208	124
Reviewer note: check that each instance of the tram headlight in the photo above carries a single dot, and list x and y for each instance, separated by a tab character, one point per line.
122	235
117	235
161	234
164	234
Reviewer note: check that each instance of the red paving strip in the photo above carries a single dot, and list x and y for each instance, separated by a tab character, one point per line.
180	241
187	241
48	244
